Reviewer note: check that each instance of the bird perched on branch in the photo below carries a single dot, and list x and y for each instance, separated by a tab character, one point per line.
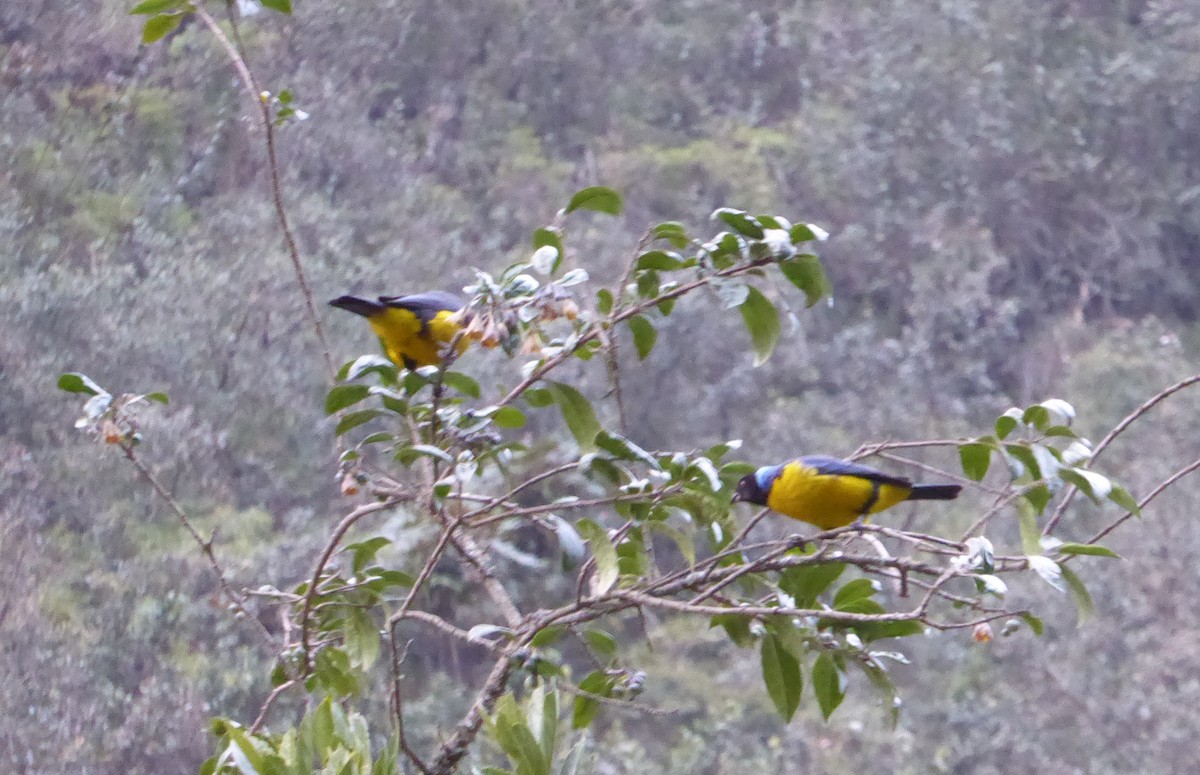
414	330
829	493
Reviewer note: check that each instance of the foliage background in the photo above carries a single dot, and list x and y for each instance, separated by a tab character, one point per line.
1013	193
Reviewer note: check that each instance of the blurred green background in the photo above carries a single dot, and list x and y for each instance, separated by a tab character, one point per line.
1013	191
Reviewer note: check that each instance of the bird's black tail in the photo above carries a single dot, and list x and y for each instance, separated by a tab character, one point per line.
934	492
357	305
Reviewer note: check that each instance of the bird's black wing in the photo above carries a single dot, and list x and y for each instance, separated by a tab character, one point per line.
832	466
425	305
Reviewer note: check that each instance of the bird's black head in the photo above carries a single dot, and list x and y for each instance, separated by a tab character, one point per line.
749	491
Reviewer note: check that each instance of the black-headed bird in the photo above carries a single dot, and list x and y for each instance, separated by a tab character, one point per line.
414	330
830	493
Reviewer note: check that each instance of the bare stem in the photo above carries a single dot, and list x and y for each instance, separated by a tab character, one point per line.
268	125
236	600
1117	430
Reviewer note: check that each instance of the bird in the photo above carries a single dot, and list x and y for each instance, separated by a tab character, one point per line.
414	330
831	493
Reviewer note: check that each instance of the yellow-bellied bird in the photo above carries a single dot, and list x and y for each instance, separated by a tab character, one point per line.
414	330
829	493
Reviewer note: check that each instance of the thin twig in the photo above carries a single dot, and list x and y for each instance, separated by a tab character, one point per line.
236	600
266	706
454	749
1117	430
264	106
617	317
474	555
1189	468
398	701
628	706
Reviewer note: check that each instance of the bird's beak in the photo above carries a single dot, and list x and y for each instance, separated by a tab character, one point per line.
737	496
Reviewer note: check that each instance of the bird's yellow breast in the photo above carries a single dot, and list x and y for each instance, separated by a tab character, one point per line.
829	500
405	339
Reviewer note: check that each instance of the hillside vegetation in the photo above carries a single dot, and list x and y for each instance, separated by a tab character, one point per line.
1013	194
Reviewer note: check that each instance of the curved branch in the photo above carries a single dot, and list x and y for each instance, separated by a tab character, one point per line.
1117	430
310	594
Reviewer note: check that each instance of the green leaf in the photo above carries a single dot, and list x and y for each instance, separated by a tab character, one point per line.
1095	486
659	260
602	644
1079	594
1123	498
547	635
673	232
157	27
762	321
341	396
74	382
538	397
827	684
740	221
1091	550
354	419
806	272
406	455
781	673
624	449
648	285
1038	416
462	383
577	412
976	457
509	417
683	541
644	335
807	232
361	638
155	6
1031	535
283	6
1007	422
607	567
541	716
586	708
543	237
244	753
322	726
604	301
366	364
888	694
853	591
364	552
598	198
332	671
1034	623
1038	497
515	737
383	579
737	627
873	631
804	583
